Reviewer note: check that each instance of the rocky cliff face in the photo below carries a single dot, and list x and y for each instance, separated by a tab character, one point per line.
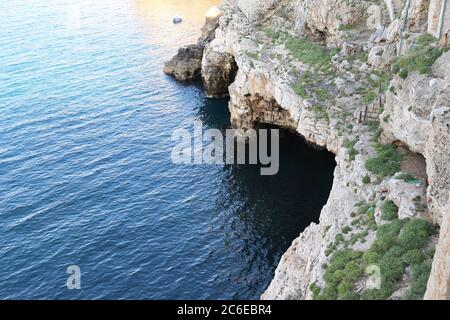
439	282
316	67
419	116
218	71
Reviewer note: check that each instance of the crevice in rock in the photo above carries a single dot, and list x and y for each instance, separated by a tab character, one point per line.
316	35
259	110
413	163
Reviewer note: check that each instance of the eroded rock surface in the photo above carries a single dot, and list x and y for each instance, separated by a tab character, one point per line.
218	72
186	64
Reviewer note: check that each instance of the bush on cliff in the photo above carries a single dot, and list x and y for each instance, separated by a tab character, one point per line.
309	52
350	145
386	161
421	59
398	244
389	211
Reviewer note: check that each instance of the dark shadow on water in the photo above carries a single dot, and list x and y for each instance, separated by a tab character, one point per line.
266	213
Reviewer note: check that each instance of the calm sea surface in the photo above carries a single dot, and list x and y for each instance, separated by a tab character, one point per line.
86	118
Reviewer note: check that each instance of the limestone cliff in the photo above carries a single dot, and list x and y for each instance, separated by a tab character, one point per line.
378	97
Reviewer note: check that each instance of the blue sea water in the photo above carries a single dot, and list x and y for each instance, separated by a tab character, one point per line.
86	118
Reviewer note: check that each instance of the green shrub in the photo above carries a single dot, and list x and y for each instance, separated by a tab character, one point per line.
416	234
395	68
374	127
346	229
344	269
370	97
352	154
375	294
328	293
315	290
407	177
371	256
343	288
321	113
392	266
309	52
403	74
415	256
389	211
399	244
386	162
274	35
393	250
300	90
366	179
361	236
372	225
387	235
350	295
350	145
431	252
420	59
339	238
425	40
364	208
420	273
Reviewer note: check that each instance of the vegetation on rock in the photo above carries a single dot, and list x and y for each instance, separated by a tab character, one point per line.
350	145
400	248
389	211
420	59
386	162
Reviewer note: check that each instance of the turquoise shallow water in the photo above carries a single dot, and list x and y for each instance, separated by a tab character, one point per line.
86	118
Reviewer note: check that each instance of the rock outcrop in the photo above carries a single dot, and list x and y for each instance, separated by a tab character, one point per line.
218	72
186	64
